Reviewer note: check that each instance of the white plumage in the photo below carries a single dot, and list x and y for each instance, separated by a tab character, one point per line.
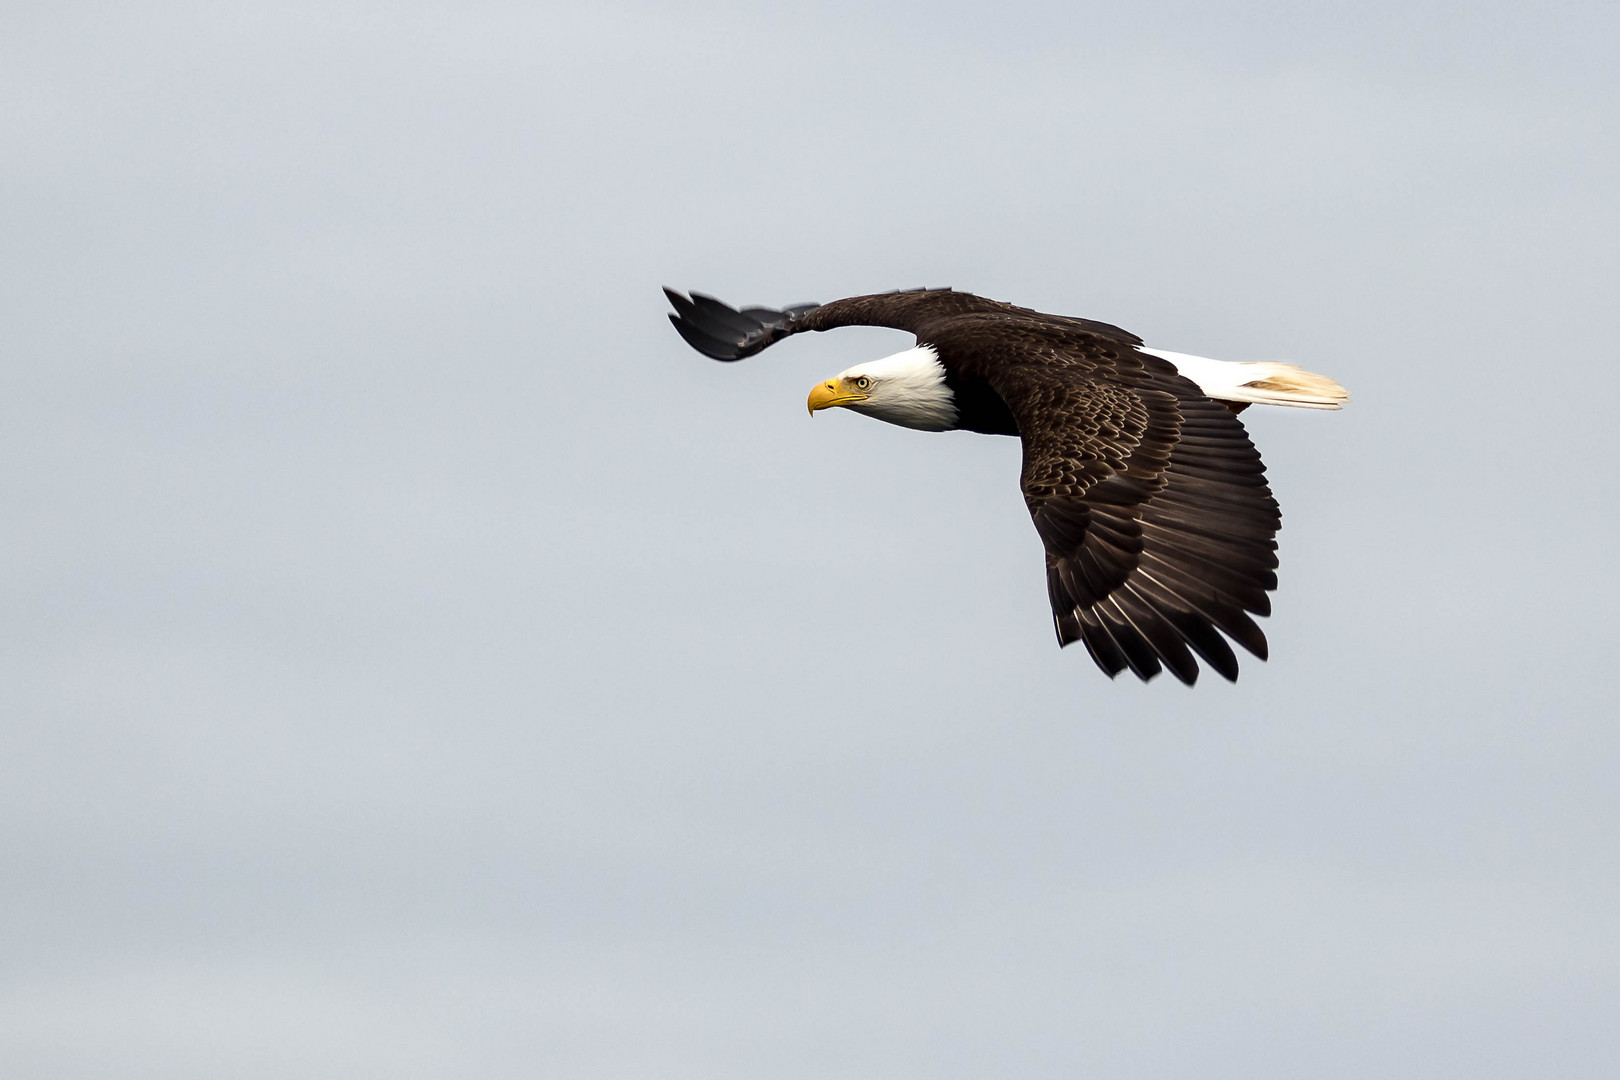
908	389
1264	382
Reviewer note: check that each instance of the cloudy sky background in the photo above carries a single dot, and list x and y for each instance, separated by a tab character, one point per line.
417	662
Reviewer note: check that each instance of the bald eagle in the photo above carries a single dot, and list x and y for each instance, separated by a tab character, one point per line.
1159	527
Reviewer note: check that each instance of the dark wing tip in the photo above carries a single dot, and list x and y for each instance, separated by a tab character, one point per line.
721	332
713	348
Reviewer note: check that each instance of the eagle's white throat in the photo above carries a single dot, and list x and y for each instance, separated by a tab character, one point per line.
908	389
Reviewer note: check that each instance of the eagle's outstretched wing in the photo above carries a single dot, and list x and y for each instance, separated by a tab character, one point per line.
1152	503
722	332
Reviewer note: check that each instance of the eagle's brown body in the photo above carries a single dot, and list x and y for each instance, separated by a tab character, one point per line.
1159	527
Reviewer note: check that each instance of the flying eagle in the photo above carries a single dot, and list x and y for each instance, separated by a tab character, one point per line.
1160	530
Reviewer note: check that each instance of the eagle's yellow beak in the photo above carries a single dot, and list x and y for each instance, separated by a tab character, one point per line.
832	392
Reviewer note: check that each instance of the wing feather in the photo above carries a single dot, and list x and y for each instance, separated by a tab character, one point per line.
1152	503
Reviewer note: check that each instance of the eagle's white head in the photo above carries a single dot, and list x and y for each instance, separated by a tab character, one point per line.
907	388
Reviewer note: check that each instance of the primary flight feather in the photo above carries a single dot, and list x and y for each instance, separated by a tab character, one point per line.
1159	528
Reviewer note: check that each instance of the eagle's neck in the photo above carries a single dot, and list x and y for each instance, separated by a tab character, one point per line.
978	407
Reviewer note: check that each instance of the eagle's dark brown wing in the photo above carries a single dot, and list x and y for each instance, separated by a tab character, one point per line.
1152	503
722	332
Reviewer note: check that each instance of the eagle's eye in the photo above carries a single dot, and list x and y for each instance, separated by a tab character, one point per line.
863	383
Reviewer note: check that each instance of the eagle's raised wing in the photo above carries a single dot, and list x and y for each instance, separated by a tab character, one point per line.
1152	503
722	332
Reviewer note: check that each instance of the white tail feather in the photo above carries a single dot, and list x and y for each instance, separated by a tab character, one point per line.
1263	383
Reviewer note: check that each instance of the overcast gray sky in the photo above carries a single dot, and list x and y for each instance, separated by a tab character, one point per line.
416	662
